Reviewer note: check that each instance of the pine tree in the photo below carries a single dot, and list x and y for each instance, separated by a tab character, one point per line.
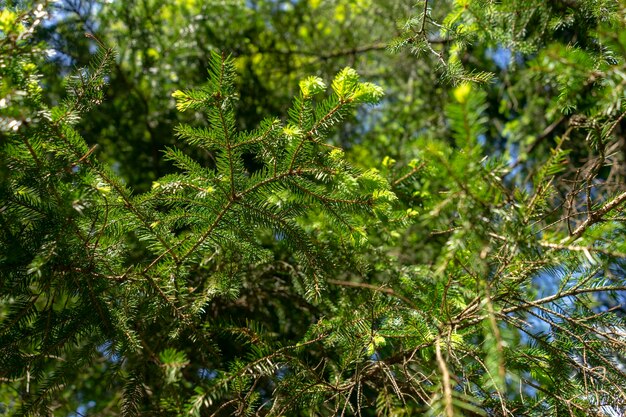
478	270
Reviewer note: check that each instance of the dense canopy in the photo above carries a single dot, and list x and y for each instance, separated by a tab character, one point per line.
312	207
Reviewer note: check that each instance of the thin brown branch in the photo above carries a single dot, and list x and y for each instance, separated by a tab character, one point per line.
445	380
562	294
596	216
384	290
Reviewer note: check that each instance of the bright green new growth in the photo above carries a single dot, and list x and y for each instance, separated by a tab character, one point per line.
311	86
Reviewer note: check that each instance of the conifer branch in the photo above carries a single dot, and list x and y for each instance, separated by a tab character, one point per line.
596	216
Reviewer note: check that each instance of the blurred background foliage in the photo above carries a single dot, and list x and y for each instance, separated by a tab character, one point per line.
162	44
545	60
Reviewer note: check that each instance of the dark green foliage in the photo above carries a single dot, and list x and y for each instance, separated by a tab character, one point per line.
460	254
